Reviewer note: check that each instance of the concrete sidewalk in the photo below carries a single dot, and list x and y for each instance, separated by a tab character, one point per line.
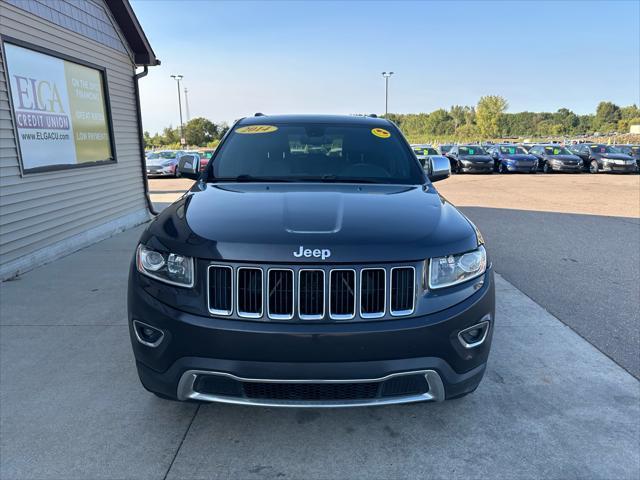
551	405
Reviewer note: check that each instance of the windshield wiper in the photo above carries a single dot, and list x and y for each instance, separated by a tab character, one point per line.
337	179
250	178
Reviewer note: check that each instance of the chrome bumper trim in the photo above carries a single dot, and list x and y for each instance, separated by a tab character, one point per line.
186	391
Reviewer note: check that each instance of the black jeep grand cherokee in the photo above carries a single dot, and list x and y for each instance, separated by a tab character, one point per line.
313	263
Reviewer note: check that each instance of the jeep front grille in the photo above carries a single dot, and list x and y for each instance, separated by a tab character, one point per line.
320	293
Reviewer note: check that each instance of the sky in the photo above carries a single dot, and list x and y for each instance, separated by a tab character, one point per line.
242	57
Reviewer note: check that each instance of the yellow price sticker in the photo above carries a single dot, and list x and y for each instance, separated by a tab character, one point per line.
381	132
257	129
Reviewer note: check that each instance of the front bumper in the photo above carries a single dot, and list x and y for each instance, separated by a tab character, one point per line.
563	167
161	171
612	167
253	352
468	167
518	167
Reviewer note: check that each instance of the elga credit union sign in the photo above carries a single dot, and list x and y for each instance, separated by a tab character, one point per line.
59	109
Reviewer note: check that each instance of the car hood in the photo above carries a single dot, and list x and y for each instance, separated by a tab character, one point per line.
616	156
156	162
269	222
476	158
564	158
519	156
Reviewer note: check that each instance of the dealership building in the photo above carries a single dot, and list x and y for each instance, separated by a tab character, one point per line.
71	151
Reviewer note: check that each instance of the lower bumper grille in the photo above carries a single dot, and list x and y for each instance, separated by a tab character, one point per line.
310	391
396	388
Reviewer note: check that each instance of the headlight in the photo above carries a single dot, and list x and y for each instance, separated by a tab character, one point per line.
168	163
455	269
167	267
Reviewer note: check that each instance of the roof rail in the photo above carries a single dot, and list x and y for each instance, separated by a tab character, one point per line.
259	114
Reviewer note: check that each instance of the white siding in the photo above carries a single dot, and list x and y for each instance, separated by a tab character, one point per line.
41	210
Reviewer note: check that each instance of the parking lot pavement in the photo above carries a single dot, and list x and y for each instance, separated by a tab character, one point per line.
604	195
551	405
570	242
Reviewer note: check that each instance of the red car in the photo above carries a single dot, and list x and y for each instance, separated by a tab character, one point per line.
205	156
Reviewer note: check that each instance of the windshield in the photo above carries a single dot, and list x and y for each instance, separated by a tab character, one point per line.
425	151
603	149
557	151
513	150
164	155
207	154
471	151
445	148
316	152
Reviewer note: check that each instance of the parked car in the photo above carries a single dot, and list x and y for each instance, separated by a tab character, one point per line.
307	279
604	158
512	158
470	159
163	163
526	146
423	152
632	151
556	158
205	156
445	148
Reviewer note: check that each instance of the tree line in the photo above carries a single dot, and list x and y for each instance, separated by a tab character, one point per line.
198	132
489	120
486	120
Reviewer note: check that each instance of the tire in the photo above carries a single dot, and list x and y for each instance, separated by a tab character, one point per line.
462	395
177	174
594	167
547	168
164	397
457	168
502	169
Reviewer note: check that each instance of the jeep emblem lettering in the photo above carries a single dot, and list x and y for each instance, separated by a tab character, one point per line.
316	253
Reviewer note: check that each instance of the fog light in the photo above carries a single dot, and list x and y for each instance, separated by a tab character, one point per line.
147	335
475	335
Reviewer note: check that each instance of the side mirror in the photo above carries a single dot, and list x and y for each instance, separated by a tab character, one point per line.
189	166
439	168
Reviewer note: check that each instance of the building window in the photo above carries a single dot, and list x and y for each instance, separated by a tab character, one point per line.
60	109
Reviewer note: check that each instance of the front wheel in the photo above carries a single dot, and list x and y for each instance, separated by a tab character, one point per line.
547	168
458	167
502	169
594	167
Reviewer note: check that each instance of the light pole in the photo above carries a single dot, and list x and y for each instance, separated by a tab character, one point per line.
186	105
386	76
177	78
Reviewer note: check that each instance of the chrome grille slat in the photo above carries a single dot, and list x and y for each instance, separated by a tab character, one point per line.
280	296
249	292
311	294
298	292
342	294
221	281
373	297
402	294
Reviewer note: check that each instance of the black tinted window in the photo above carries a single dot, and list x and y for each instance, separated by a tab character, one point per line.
309	152
471	151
